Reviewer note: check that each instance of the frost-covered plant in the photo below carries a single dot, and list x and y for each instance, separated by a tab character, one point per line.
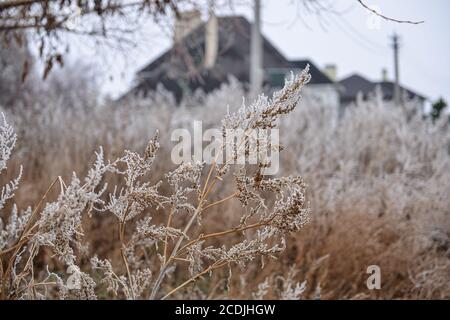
273	208
378	180
8	140
284	287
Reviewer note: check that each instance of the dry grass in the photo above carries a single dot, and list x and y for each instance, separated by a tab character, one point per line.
377	180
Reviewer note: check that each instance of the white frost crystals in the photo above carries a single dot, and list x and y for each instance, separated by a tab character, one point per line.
11	231
158	230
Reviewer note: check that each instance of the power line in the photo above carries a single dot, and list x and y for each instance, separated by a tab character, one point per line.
361	42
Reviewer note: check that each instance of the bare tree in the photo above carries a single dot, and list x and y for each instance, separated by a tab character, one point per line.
52	15
49	22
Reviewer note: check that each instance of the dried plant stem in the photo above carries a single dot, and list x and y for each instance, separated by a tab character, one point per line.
191	188
124	258
198	210
31	286
22	239
212	184
27	229
216	265
211	169
231	196
223	233
174	252
208	186
28	268
169	222
14	247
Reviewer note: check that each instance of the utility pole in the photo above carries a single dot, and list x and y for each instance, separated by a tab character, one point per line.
211	38
256	58
395	46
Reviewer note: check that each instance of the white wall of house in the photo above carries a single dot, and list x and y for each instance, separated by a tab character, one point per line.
324	94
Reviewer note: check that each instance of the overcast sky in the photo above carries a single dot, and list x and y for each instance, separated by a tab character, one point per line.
353	40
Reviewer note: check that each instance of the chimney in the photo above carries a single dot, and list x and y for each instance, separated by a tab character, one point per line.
331	71
185	23
384	75
211	40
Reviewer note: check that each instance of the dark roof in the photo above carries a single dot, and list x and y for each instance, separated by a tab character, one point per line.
356	83
387	87
180	67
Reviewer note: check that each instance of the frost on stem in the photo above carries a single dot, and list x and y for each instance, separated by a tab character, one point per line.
150	251
140	280
184	180
59	227
136	196
60	223
291	290
281	287
264	224
8	140
264	112
17	222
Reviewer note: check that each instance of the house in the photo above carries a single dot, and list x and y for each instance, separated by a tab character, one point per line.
205	54
355	86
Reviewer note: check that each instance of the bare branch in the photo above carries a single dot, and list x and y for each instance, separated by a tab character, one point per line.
388	18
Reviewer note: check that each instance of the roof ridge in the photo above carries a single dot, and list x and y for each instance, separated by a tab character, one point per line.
357	75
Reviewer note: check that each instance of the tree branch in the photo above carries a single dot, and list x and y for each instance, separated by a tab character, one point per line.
385	17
